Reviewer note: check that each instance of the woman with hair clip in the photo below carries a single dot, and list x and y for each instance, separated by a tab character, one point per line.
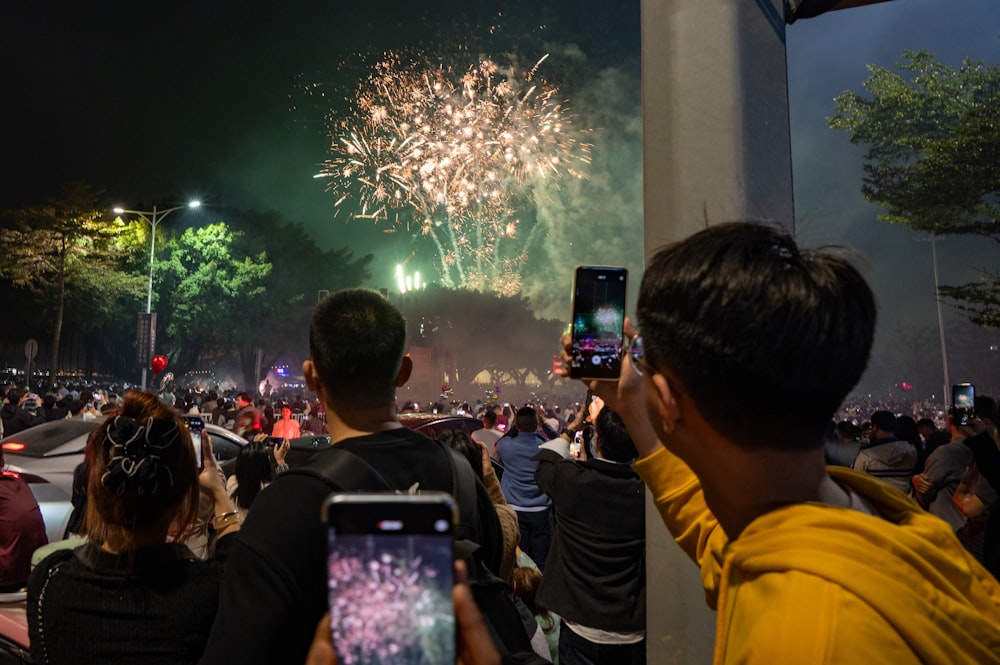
129	596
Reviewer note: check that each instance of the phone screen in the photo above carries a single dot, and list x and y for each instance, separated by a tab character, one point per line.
598	320
390	577
195	425
963	400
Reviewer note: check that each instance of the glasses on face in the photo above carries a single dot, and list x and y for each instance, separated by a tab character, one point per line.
637	354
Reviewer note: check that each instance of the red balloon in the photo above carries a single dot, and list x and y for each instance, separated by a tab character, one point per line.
905	386
159	364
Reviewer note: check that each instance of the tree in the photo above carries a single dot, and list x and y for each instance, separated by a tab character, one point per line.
209	293
300	271
933	137
67	251
247	286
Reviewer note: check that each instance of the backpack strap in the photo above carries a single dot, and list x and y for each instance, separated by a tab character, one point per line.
463	489
343	471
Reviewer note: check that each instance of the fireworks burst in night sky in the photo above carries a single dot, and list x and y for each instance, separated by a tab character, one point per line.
453	154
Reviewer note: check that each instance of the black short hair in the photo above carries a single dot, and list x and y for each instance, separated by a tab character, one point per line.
356	341
490	419
985	407
884	420
765	338
466	447
612	437
526	419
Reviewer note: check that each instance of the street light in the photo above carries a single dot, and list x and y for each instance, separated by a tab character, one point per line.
937	297
153	217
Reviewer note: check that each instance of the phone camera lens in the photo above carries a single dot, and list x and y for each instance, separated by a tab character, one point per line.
441	526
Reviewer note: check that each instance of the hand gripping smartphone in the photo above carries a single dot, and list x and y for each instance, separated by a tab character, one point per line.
963	401
195	425
598	322
390	570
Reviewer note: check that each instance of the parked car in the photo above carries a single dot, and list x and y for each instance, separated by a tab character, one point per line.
14	641
46	455
433	424
428	424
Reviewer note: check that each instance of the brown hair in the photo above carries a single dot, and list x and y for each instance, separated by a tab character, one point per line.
526	583
114	513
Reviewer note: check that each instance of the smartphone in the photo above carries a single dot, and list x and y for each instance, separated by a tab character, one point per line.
274	441
598	321
195	425
963	401
576	445
390	569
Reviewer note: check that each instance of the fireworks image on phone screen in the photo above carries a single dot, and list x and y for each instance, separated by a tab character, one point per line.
390	598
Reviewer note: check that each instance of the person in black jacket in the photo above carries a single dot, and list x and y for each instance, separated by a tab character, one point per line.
275	587
595	577
27	414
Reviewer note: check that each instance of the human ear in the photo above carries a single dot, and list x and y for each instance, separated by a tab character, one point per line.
405	369
667	408
312	379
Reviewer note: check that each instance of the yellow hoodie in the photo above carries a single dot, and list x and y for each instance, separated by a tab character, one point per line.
813	583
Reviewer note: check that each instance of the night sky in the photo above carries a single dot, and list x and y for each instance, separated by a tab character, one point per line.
161	102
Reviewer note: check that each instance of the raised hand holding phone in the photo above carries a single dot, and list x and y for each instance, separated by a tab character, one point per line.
597	319
390	577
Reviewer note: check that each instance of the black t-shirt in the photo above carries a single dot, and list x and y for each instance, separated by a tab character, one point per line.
274	591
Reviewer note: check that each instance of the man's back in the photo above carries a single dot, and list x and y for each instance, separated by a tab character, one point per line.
944	470
595	574
892	461
274	590
488	437
518	482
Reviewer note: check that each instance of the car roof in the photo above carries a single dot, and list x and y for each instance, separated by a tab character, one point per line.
433	424
57	437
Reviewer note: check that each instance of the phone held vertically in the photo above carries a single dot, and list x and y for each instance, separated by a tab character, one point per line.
963	401
195	425
390	576
598	322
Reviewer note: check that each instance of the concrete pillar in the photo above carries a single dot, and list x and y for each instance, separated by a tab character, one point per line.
716	148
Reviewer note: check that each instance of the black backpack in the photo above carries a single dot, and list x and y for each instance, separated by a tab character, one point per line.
345	471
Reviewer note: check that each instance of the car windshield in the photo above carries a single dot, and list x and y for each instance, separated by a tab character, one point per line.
42	440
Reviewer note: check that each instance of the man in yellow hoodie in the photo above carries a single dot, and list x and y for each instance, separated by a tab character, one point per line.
746	346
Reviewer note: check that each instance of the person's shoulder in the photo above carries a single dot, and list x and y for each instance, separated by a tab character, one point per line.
54	558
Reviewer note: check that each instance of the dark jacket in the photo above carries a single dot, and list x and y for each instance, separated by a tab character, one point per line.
595	574
987	457
22	420
275	588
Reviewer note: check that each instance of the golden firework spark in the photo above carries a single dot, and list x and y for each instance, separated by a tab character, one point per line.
461	151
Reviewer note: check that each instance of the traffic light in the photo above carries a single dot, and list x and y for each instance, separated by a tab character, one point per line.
796	9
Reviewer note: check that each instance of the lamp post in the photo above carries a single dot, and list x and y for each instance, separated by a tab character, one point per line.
153	217
944	347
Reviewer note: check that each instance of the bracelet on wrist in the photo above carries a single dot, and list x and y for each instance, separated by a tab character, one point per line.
224	516
569	431
231	519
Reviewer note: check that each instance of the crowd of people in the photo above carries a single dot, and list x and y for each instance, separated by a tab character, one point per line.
804	559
